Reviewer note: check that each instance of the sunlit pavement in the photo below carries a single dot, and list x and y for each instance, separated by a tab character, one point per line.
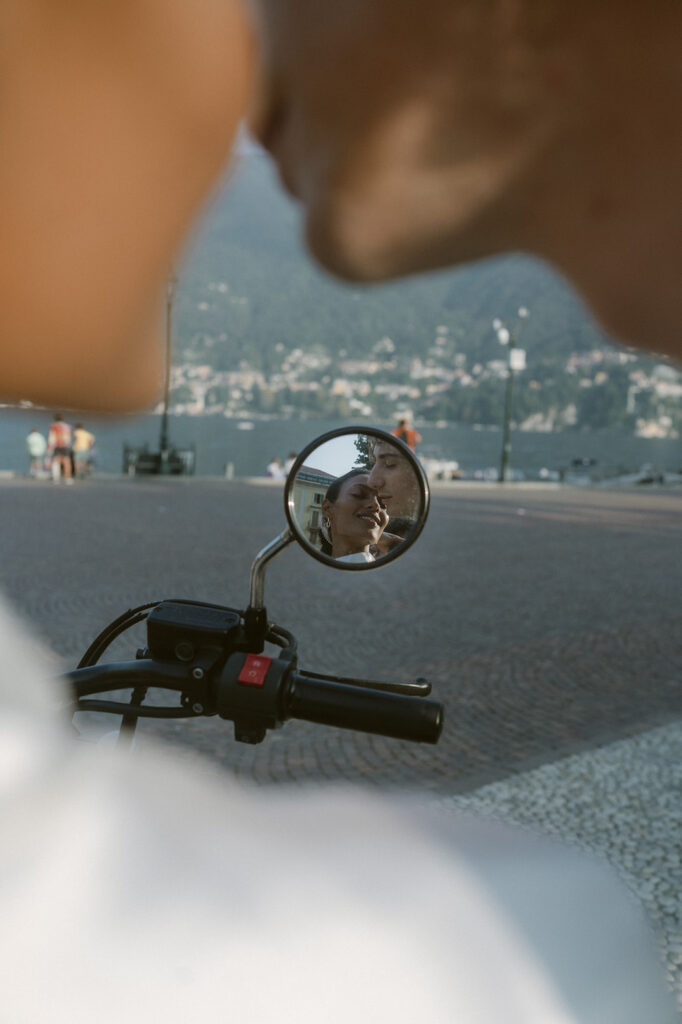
547	619
621	802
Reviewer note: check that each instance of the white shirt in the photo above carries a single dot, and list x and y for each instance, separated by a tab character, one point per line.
356	556
36	444
134	889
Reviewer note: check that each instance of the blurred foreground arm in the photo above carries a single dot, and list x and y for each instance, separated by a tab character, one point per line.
116	118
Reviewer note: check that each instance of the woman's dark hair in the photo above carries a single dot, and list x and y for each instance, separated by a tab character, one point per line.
332	494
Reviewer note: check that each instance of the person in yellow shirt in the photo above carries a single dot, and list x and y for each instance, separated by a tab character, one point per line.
83	445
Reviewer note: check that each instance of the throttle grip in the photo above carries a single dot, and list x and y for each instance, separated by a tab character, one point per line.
362	709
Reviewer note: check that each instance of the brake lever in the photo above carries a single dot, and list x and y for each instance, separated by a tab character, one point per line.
419	688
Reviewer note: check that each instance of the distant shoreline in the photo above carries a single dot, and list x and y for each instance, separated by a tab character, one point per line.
223	446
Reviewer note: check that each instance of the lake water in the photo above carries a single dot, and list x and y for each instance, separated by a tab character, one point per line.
220	441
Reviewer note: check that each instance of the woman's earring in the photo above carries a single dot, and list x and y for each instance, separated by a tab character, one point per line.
325	528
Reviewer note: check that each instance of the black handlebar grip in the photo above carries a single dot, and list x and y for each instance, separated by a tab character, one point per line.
354	707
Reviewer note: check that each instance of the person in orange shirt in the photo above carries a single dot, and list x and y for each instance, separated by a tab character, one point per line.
59	445
407	434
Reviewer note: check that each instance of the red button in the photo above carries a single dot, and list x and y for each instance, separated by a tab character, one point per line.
254	670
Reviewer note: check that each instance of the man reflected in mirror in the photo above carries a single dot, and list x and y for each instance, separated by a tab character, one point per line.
397	485
394	479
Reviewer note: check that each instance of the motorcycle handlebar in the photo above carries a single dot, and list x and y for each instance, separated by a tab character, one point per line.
365	710
123	675
292	694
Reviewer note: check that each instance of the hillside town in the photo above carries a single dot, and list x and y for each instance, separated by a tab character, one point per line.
602	387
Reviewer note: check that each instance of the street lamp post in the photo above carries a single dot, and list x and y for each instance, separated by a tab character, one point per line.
164	465
505	336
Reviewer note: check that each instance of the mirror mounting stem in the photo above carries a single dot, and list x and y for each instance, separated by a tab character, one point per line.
258	568
255	628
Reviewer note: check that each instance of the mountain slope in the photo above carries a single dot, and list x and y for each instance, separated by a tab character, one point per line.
269	292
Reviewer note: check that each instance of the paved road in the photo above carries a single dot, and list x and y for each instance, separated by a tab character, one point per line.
547	619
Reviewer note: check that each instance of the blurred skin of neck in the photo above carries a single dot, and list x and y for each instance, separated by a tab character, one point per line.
467	128
606	190
592	179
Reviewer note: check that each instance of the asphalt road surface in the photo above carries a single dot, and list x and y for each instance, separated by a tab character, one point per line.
548	619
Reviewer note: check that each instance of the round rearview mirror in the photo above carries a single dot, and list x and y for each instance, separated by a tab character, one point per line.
356	498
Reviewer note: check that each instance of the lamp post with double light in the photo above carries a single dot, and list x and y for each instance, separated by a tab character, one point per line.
516	361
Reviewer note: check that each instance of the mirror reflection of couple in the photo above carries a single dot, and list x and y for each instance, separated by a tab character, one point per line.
368	511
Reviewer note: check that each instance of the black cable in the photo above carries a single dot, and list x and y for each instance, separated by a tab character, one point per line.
110	632
282	638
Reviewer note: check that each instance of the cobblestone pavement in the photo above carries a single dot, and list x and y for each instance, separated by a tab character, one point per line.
621	802
546	618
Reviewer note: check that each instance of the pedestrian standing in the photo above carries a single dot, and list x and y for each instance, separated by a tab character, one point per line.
275	470
83	444
36	446
59	444
407	434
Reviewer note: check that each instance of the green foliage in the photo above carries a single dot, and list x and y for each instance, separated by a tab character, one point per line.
604	404
364	458
248	285
180	395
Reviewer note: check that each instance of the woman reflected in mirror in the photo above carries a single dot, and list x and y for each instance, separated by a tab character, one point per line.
353	519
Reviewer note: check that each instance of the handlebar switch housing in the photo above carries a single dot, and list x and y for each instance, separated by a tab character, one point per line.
249	694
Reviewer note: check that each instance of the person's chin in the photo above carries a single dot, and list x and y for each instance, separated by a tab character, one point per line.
361	241
354	255
364	224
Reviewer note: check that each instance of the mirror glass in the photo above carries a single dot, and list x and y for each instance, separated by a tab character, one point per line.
356	498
